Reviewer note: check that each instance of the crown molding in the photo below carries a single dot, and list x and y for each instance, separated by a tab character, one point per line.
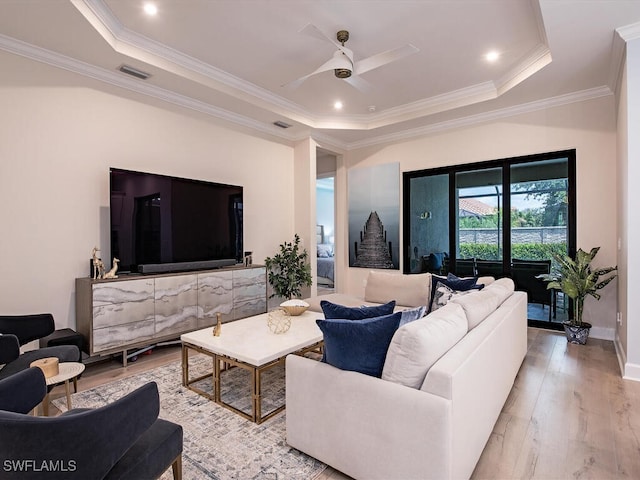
64	62
539	58
617	61
621	36
629	32
149	51
144	49
485	117
57	60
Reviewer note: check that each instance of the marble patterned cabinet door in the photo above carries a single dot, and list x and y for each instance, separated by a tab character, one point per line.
176	300
121	311
215	295
249	292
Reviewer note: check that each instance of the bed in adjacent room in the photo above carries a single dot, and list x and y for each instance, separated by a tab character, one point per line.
326	264
325	272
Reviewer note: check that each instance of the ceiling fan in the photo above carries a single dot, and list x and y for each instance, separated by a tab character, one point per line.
342	63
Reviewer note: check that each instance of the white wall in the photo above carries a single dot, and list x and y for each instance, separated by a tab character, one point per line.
589	127
629	229
60	133
622	208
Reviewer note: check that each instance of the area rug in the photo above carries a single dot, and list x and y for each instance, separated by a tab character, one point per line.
218	444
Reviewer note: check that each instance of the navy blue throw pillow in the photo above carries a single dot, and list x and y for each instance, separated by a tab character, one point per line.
358	346
333	310
462	284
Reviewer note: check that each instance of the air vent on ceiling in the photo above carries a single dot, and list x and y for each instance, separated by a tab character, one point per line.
281	124
134	72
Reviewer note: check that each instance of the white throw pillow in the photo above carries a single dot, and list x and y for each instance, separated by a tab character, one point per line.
416	346
407	290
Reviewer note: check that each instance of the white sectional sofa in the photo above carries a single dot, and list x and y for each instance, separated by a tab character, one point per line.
445	380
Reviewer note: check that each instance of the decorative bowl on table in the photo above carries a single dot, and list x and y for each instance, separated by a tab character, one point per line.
278	321
295	307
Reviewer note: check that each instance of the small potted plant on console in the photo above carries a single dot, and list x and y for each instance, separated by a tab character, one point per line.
576	279
288	272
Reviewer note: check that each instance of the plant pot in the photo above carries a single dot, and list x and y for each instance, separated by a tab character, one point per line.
577	334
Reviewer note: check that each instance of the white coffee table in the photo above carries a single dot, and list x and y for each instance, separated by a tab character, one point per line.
248	344
67	371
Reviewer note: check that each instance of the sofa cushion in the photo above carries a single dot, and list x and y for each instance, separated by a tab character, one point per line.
333	310
408	290
359	346
416	346
480	305
503	287
338	298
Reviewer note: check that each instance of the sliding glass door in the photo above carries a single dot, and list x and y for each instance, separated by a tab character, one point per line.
479	248
500	218
429	226
539	228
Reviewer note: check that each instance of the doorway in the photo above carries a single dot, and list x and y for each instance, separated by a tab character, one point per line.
325	221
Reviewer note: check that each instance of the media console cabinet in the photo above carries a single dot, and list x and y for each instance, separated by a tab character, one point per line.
115	315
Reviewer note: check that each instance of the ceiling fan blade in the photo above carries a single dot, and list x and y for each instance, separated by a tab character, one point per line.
337	61
359	83
312	30
380	59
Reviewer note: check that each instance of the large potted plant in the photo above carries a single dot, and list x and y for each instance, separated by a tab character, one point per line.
289	270
576	279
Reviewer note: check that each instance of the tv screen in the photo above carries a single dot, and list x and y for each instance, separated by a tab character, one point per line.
158	219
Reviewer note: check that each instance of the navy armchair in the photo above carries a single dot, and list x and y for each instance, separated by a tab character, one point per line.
123	440
17	330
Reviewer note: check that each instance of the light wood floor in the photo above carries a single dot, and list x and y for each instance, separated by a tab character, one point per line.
569	415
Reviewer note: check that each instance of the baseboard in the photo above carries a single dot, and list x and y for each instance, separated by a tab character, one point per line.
603	333
629	371
620	354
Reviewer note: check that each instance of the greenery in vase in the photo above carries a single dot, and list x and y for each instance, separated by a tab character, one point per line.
289	270
576	279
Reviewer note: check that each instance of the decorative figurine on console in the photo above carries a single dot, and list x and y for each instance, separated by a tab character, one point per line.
248	259
112	273
217	330
98	264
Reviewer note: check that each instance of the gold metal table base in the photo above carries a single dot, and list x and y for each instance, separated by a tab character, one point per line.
220	364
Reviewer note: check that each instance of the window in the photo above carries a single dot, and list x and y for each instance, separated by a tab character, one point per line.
500	218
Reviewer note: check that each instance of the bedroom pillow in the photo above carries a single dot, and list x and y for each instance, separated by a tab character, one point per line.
333	310
358	346
325	251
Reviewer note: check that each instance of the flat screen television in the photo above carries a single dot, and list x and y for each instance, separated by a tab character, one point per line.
161	223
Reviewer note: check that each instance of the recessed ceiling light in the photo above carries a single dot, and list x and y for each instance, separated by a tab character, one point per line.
150	9
492	56
338	105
